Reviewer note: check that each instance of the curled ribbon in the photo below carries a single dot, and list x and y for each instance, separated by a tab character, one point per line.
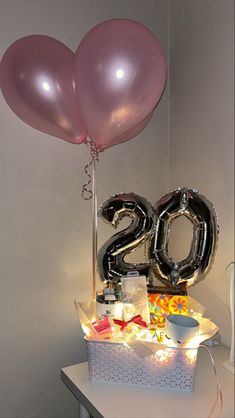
136	320
87	193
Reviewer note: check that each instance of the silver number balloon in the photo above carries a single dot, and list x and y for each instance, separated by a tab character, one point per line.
201	213
111	264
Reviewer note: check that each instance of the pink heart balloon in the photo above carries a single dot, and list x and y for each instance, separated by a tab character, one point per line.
37	82
120	74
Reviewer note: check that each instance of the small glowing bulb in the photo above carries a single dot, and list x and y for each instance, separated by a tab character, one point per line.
45	86
119	73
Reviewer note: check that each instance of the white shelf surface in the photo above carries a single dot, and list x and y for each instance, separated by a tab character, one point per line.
121	401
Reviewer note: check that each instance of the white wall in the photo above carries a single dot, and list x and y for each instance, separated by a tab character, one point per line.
45	246
201	128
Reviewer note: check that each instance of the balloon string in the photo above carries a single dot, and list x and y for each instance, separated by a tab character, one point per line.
85	188
219	393
94	231
87	194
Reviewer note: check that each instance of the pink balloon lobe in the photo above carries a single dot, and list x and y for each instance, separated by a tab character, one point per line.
37	82
130	134
120	74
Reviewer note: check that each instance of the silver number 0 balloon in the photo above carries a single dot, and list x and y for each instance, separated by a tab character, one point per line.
202	214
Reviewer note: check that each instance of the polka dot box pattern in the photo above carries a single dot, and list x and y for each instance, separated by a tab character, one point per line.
169	368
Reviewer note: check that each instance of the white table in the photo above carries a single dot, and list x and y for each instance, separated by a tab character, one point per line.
120	401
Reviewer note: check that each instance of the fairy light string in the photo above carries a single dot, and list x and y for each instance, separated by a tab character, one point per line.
219	394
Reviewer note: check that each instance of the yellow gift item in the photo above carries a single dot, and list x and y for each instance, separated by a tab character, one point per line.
178	305
162	304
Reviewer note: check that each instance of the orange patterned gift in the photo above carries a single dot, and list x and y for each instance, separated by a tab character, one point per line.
161	305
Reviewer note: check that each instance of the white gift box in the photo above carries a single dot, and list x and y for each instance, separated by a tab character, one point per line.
167	368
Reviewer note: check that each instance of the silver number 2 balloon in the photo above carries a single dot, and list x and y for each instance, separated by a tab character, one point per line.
111	264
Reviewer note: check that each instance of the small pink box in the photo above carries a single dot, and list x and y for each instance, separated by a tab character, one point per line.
102	326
